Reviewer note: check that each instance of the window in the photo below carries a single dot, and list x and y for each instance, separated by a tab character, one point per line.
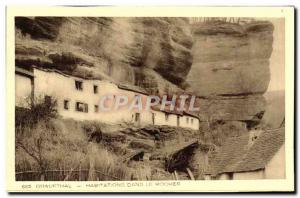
78	85
153	100
153	118
82	107
187	120
95	89
96	108
66	104
137	98
230	176
167	117
192	120
137	117
48	100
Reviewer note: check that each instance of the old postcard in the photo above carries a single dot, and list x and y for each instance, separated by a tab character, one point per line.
150	99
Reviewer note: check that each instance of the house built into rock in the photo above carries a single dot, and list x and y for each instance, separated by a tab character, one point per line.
79	98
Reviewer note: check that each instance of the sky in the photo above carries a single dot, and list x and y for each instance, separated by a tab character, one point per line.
277	56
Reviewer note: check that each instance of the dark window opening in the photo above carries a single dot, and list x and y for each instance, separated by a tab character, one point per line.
137	117
66	104
96	108
187	120
78	85
230	176
167	117
137	98
153	100
95	89
192	120
48	100
82	107
153	118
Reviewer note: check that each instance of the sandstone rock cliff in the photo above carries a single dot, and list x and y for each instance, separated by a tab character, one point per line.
231	64
123	49
231	59
222	62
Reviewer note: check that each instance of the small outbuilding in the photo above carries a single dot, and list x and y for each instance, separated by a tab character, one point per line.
257	155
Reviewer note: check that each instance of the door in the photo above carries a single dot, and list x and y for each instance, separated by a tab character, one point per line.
137	119
153	118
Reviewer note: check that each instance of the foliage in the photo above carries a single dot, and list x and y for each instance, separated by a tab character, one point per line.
39	109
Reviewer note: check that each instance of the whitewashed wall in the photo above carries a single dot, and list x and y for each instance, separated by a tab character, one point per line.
223	176
160	119
62	87
23	90
257	174
275	169
186	121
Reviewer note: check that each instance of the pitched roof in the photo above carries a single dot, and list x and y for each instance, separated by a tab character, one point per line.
133	88
237	156
168	110
189	113
67	74
24	72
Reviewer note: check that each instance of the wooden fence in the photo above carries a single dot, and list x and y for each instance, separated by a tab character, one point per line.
63	175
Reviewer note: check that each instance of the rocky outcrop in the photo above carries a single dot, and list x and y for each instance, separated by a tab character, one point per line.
231	63
240	108
110	47
231	59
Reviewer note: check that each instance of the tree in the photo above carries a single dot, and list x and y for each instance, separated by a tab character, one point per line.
33	132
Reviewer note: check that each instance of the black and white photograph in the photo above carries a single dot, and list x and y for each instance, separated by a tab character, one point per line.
149	98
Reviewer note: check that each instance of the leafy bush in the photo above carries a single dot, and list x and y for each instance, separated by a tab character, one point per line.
45	142
39	109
